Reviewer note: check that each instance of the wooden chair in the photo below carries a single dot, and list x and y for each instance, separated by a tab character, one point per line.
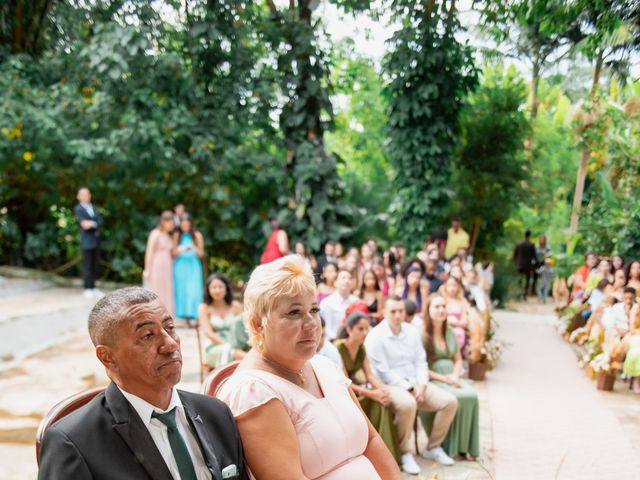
217	377
62	409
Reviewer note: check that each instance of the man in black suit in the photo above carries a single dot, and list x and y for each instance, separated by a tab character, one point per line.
524	257
90	223
142	427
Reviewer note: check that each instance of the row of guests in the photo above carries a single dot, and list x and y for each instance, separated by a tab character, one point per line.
142	427
173	264
388	362
606	292
464	296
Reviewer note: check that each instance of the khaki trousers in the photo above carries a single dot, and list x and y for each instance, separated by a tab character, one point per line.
405	407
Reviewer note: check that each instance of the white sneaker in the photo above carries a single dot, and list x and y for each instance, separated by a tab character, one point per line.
409	464
97	293
437	454
88	293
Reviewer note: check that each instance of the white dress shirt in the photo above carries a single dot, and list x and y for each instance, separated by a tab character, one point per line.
398	360
332	309
158	431
330	351
615	316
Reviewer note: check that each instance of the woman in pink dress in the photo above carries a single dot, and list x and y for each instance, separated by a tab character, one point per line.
295	412
158	261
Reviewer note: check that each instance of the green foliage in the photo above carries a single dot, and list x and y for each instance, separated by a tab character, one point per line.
491	167
431	73
359	140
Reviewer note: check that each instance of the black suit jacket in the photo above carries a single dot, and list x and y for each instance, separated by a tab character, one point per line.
106	439
524	256
89	239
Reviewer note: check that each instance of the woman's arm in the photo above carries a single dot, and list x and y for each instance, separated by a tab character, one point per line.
266	458
205	326
457	364
283	242
199	245
377	452
371	378
148	253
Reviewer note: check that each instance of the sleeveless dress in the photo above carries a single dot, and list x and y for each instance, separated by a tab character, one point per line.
332	432
271	251
160	280
380	416
464	432
460	332
232	330
631	365
187	280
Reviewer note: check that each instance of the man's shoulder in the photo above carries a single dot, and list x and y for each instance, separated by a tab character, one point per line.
204	403
86	419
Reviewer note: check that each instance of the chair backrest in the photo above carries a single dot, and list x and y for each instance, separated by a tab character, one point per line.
62	409
217	377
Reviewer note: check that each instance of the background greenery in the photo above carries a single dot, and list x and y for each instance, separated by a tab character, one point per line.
244	110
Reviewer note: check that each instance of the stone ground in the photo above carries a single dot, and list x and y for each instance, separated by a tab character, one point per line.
541	418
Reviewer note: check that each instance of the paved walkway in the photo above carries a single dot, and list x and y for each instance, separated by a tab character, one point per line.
549	421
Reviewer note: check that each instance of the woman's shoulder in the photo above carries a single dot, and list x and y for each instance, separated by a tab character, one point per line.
248	389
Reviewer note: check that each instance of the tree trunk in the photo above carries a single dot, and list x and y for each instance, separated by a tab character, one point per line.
25	26
535	81
584	159
577	196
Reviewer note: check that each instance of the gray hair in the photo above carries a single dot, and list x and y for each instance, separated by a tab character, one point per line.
110	311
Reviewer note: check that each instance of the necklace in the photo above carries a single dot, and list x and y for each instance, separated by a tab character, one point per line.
277	366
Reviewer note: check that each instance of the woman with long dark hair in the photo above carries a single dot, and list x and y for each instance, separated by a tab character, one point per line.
188	250
220	322
371	295
445	370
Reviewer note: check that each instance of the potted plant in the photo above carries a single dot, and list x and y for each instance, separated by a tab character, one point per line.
605	371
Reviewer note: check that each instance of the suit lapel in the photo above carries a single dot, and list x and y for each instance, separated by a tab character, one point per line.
129	426
203	437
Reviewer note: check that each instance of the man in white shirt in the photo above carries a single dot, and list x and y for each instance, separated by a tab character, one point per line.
142	427
617	317
328	349
398	358
333	307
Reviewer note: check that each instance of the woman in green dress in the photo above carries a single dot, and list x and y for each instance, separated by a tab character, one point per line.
220	322
445	369
372	395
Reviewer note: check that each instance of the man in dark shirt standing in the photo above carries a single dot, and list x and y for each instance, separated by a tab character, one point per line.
90	223
524	258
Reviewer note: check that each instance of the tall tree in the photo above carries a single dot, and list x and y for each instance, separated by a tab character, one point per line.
431	72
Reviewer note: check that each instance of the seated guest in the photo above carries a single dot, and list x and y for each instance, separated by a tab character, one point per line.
328	349
631	366
399	360
334	306
385	281
457	309
633	276
221	323
141	426
414	289
578	280
618	317
327	280
375	399
297	417
371	295
431	275
445	370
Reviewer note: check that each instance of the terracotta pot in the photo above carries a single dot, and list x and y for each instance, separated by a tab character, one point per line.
605	381
477	371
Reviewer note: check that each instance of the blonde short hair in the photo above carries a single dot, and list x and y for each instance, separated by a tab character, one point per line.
289	276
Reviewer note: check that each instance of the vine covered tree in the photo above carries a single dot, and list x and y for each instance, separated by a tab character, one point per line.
431	72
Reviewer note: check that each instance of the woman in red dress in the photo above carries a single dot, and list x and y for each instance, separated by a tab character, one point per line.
277	244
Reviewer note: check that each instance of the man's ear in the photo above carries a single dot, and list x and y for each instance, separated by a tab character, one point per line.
106	356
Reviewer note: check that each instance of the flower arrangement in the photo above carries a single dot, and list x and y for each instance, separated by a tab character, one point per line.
491	351
603	363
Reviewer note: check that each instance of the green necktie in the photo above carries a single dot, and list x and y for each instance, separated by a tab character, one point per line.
178	447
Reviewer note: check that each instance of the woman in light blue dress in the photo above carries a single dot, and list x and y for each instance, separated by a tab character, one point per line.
187	269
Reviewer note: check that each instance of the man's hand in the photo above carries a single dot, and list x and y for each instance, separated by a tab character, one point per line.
419	393
88	224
